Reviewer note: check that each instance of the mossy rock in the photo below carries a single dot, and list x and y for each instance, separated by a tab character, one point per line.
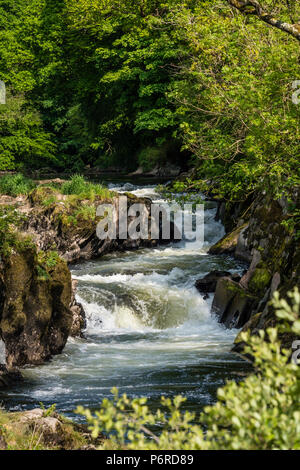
42	194
228	244
35	319
260	280
40	429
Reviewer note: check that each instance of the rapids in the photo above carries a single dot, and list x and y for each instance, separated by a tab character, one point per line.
149	332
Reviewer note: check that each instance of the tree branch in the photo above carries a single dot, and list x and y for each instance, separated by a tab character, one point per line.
252	7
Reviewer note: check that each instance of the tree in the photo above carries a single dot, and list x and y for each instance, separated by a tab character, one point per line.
253	7
23	139
235	100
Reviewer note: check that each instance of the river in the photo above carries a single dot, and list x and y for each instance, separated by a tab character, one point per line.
149	332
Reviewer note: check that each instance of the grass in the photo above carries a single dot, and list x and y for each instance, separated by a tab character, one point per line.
15	185
49	201
86	212
84	189
77	187
31	435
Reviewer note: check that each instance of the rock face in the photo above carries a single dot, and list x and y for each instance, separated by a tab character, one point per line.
263	237
74	236
234	244
35	318
38	308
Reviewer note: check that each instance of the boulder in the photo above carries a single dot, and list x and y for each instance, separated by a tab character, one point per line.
208	283
234	243
41	429
79	317
9	377
232	303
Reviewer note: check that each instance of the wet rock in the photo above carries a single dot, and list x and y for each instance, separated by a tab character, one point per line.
208	283
9	377
79	317
232	303
234	243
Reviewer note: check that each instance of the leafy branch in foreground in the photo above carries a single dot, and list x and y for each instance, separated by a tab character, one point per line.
262	412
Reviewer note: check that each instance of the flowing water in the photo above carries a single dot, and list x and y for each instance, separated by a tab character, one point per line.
149	332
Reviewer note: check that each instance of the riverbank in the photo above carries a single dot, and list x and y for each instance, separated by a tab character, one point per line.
264	233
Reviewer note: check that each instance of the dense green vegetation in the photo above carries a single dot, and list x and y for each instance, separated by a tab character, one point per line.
207	86
129	83
259	413
15	184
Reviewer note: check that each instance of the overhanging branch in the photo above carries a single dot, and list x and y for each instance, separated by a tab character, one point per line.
252	7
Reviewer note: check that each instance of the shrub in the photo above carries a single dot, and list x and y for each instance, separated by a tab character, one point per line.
77	185
48	259
260	413
14	185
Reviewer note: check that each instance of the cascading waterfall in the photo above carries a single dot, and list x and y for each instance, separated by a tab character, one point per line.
149	332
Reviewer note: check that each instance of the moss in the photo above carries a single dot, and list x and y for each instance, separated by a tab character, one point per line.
228	243
24	242
10	220
20	432
78	221
235	288
43	194
15	322
35	320
260	280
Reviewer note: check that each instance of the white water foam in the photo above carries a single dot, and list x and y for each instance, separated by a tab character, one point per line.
149	332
